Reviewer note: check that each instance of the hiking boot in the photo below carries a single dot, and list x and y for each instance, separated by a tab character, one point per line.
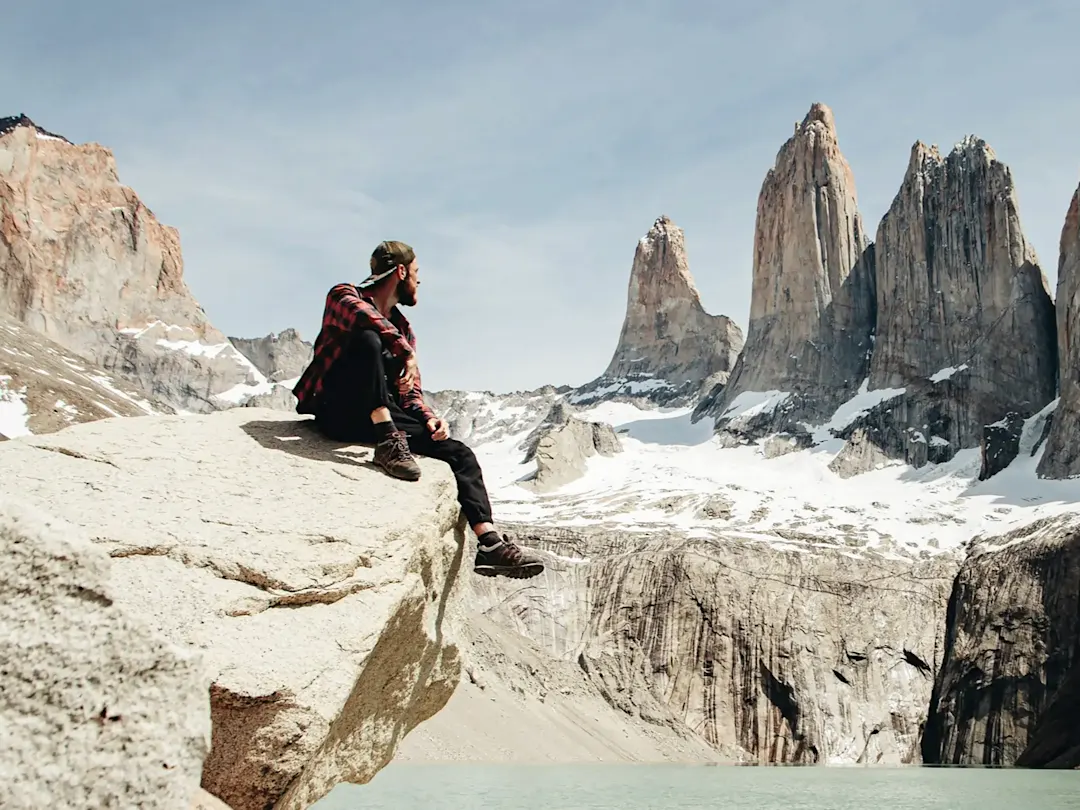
393	457
505	558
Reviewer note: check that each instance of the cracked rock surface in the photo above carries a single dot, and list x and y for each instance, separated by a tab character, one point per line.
321	593
97	708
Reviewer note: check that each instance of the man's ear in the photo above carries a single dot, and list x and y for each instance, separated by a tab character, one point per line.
402	272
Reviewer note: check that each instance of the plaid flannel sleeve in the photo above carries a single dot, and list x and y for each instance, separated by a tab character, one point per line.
345	310
413	400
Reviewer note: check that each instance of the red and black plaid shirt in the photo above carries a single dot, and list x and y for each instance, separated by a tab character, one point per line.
347	308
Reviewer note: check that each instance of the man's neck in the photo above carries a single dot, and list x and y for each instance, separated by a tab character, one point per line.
385	300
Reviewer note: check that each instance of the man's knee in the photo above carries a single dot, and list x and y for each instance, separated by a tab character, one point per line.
460	454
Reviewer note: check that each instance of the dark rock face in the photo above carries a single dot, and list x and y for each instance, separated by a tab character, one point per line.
1000	444
1011	641
960	290
1055	738
812	310
1062	456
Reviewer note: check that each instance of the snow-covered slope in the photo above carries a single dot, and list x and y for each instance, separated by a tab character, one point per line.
675	474
44	387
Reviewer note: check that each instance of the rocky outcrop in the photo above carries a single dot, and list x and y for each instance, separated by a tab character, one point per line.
813	656
812	308
858	455
561	446
280	358
44	387
481	416
99	708
1061	459
1000	445
965	323
86	264
669	346
327	632
1012	639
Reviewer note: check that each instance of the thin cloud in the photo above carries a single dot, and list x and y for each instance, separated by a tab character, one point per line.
525	151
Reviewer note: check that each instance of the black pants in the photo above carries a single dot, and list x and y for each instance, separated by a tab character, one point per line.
357	383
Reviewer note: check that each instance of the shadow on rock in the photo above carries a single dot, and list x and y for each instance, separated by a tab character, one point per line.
302	439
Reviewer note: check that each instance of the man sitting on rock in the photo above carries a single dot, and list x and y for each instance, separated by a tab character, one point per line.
363	385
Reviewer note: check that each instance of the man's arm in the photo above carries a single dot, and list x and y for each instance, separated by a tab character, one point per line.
413	399
347	311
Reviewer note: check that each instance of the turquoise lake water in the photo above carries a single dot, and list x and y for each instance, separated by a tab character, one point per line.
675	787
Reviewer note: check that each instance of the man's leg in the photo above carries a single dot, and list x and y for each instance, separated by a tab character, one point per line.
496	555
357	405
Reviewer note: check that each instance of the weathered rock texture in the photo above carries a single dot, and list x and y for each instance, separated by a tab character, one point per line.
481	416
1012	639
965	322
1061	459
517	703
788	657
669	346
562	445
98	709
279	357
1054	741
858	455
44	387
85	263
326	631
812	308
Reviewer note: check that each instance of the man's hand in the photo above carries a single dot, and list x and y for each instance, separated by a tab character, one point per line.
437	428
408	375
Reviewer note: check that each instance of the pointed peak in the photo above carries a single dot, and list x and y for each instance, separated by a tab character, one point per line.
973	145
819	113
921	154
663	224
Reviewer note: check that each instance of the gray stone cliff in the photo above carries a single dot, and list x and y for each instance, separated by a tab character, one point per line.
1062	456
279	357
669	346
1012	643
787	657
965	323
812	309
86	264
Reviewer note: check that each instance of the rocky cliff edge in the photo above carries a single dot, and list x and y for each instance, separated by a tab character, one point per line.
84	262
321	594
1012	652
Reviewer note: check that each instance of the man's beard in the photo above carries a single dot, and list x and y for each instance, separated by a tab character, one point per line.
405	296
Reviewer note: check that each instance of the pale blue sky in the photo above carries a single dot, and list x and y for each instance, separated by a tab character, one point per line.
523	148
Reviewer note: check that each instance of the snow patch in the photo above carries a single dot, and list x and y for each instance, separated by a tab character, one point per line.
946	373
751	403
14	416
104	382
858	406
69	411
670	469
